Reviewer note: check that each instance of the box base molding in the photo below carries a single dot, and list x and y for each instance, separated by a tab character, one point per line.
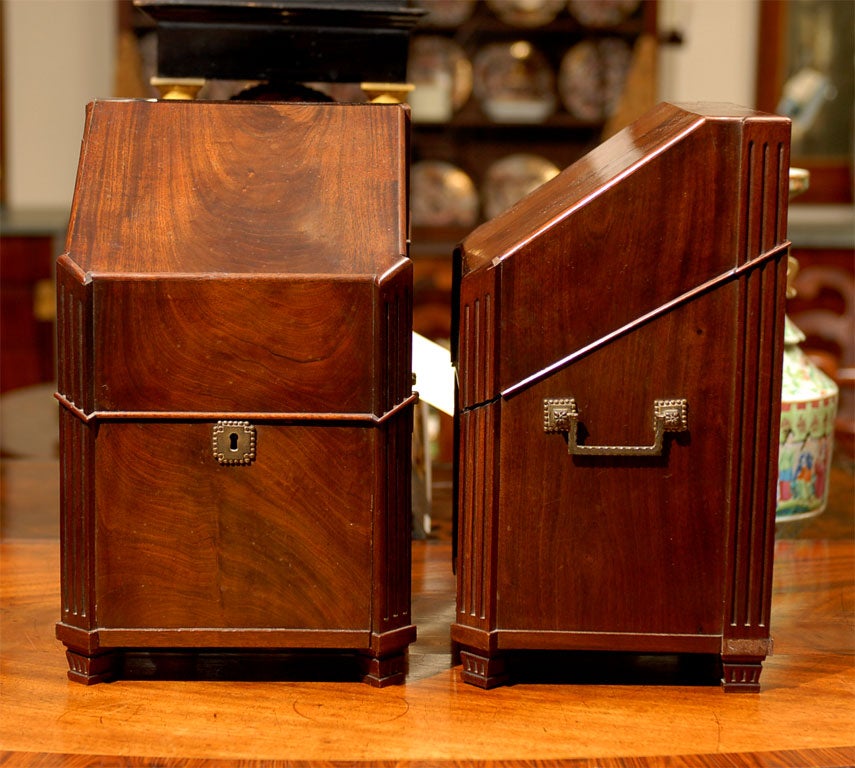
378	660
490	659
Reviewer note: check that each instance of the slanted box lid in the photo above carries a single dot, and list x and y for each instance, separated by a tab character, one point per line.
682	200
233	257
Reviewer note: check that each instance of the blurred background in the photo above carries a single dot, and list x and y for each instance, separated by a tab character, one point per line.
507	93
60	54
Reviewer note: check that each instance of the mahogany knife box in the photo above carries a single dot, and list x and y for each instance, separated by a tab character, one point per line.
618	347
235	379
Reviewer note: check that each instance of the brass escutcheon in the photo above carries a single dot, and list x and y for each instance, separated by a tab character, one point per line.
234	442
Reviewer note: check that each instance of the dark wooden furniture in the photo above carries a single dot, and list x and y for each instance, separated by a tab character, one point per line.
27	356
234	314
29	242
618	348
283	40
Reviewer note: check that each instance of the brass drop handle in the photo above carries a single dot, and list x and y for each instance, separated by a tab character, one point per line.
560	415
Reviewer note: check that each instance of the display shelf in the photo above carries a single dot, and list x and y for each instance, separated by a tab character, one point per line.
473	141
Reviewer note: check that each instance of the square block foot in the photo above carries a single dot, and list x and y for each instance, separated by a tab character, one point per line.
742	676
483	671
89	670
388	670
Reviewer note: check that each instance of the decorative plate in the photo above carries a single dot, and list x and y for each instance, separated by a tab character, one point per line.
602	13
442	76
513	177
442	195
526	13
592	76
446	13
514	83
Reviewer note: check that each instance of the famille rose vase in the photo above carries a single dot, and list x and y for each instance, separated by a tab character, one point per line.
808	410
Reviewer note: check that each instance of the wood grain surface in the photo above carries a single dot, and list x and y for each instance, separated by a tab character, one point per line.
632	711
230	263
237	258
240	188
652	269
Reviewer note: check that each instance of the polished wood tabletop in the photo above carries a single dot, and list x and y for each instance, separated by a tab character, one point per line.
565	709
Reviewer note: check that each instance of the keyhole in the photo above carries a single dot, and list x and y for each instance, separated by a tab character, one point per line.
234	443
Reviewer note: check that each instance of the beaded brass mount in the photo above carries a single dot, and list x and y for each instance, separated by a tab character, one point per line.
561	415
234	442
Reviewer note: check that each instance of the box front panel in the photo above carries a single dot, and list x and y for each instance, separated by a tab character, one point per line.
183	541
622	543
236	345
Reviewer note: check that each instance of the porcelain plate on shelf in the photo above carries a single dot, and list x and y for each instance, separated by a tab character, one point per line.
526	13
446	13
442	76
592	76
514	83
512	178
442	195
602	13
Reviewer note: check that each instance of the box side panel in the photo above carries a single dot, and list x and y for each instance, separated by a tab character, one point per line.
478	325
182	541
477	525
754	469
393	523
234	346
759	350
74	335
77	521
764	177
666	228
76	455
631	544
763	187
394	338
